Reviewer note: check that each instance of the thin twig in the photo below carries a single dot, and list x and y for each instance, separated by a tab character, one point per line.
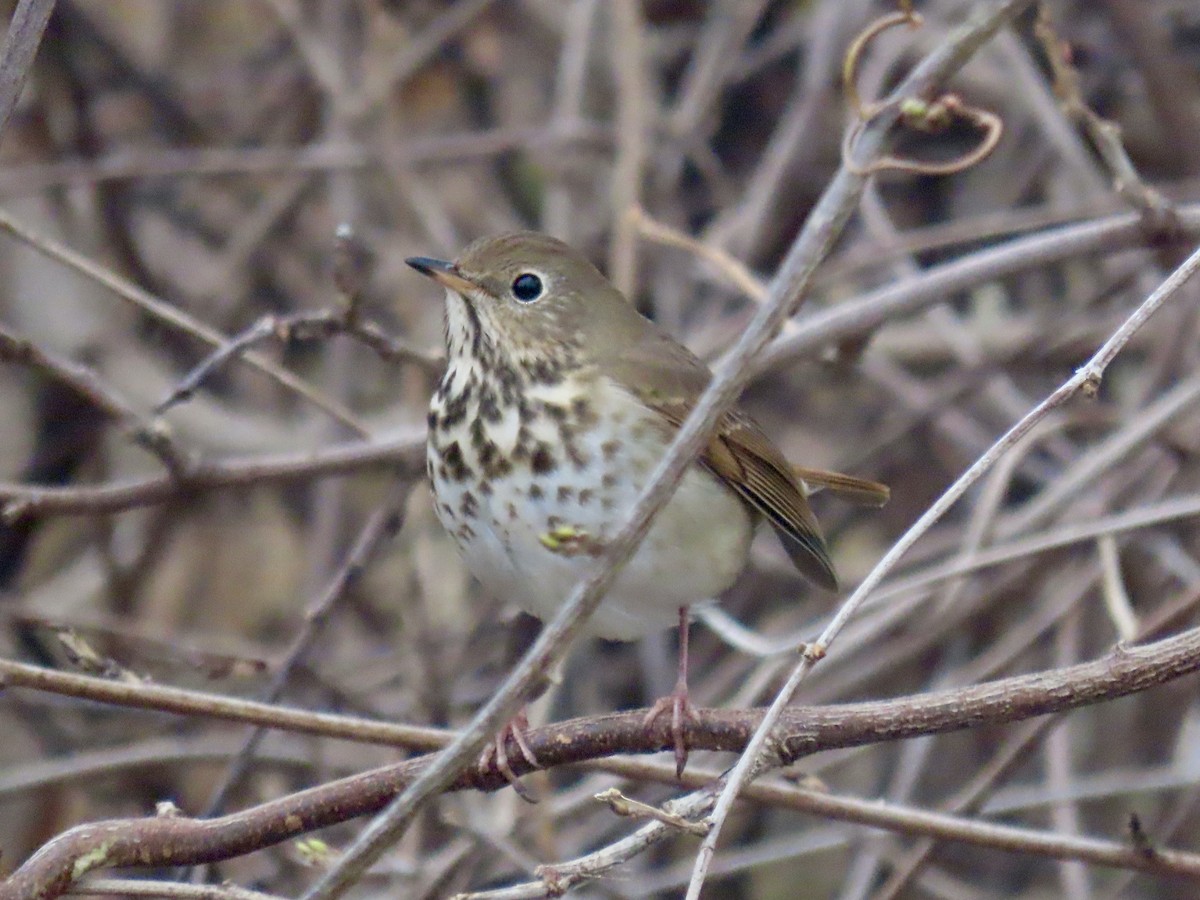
1173	509
569	87
172	890
958	48
628	62
1086	379
940	284
381	525
406	454
152	436
635	809
824	225
176	318
1116	598
439	150
178	840
302	326
728	265
1105	136
21	43
418	50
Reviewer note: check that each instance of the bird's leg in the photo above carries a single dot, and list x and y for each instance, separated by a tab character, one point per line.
678	701
495	751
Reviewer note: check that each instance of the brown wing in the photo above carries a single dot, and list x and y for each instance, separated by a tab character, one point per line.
667	377
745	459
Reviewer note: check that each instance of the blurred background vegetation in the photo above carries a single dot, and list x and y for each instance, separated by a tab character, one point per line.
207	151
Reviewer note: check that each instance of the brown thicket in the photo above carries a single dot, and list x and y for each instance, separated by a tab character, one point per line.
231	630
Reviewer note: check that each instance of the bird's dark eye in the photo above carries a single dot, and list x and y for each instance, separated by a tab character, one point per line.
527	287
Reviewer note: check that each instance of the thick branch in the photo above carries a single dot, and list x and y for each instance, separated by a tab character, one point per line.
803	730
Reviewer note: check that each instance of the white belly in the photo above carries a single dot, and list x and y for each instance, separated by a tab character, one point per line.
533	547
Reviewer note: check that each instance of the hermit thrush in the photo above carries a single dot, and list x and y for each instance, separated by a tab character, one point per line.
558	401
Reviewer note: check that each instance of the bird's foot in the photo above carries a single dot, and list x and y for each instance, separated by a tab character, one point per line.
679	704
496	752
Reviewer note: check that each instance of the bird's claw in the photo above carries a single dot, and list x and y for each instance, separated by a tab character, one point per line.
680	706
496	752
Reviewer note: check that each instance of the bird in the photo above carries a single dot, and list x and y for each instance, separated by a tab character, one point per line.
557	402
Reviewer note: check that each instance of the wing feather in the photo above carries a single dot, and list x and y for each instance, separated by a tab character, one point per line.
743	457
668	378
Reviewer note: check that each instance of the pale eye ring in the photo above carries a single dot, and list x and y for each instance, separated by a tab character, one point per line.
527	287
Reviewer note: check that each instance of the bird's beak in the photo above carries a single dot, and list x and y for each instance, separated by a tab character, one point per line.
444	273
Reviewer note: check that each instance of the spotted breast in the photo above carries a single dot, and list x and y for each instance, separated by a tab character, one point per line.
535	464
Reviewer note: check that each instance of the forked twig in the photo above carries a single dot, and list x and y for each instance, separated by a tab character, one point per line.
153	435
928	116
1085	380
1105	135
351	267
